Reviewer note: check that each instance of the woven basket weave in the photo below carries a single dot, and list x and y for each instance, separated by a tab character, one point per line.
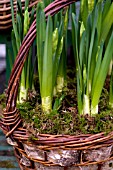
5	12
55	152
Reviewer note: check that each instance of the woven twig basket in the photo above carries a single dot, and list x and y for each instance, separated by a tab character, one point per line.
55	152
5	12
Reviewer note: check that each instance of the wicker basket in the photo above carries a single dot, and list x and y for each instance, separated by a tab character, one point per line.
5	12
54	152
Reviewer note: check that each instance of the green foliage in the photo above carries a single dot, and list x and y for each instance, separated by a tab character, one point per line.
50	42
20	28
65	122
92	44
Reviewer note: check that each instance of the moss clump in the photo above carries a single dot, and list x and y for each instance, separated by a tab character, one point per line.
6	164
65	121
2	103
2	99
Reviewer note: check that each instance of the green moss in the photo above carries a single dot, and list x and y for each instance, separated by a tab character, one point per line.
65	119
2	99
66	122
6	164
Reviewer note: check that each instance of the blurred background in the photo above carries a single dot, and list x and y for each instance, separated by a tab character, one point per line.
2	67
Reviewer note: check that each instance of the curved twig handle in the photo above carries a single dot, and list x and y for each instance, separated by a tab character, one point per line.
12	89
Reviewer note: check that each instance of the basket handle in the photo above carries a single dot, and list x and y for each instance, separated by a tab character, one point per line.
13	84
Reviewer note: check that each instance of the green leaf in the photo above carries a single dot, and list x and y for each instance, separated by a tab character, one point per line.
26	4
107	5
32	15
19	26
47	61
84	10
97	66
18	42
40	38
102	72
107	23
91	5
99	18
26	21
14	44
111	90
19	6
